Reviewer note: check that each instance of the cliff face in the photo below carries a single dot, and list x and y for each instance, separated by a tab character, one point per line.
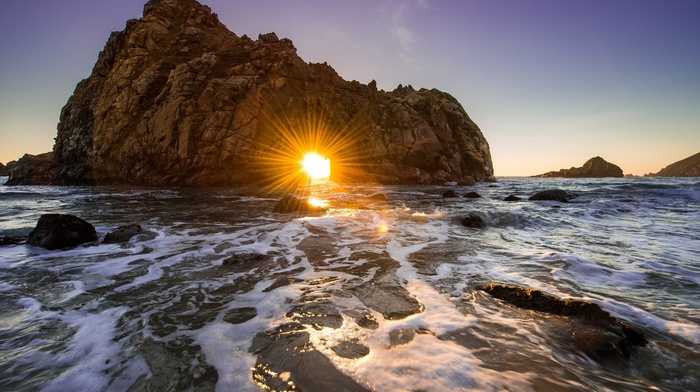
593	168
688	167
178	99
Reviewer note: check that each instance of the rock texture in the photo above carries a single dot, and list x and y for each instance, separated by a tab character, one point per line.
593	168
602	336
688	167
32	169
178	99
58	231
552	195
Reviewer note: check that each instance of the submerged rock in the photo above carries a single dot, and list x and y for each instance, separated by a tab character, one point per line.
240	315
243	262
473	220
472	195
553	195
122	234
512	198
287	361
601	336
290	204
450	193
5	241
350	349
58	231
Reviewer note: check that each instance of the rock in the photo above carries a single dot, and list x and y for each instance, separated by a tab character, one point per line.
593	168
350	350
176	99
6	241
468	181
243	262
474	220
286	360
57	231
291	204
450	193
240	315
122	234
34	169
602	336
688	167
553	195
3	170
472	195
512	198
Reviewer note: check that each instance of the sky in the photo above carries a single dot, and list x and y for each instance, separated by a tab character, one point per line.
551	83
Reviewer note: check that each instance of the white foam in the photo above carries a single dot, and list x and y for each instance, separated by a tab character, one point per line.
92	353
630	313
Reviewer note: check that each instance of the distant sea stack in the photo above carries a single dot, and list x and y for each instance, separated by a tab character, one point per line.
176	99
593	168
688	167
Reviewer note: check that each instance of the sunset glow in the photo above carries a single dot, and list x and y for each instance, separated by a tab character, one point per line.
316	166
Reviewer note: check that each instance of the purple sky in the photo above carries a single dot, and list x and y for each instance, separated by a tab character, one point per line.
550	83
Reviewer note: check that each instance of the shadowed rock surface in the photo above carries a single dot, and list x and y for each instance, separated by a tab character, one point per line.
601	336
552	195
473	220
287	360
176	99
58	231
688	167
40	169
594	168
122	234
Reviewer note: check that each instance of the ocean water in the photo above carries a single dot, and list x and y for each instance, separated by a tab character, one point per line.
220	293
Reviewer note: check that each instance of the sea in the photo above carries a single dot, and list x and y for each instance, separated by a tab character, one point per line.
379	292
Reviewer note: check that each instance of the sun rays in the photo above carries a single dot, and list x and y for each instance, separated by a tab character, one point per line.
307	143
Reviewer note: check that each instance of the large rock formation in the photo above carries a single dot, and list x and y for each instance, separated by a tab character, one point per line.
688	167
593	168
178	99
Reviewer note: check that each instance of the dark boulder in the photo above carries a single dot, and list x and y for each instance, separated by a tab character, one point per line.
598	334
291	204
122	234
58	231
472	195
512	198
474	220
449	194
553	195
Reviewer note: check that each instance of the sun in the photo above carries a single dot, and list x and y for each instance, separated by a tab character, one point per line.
316	166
